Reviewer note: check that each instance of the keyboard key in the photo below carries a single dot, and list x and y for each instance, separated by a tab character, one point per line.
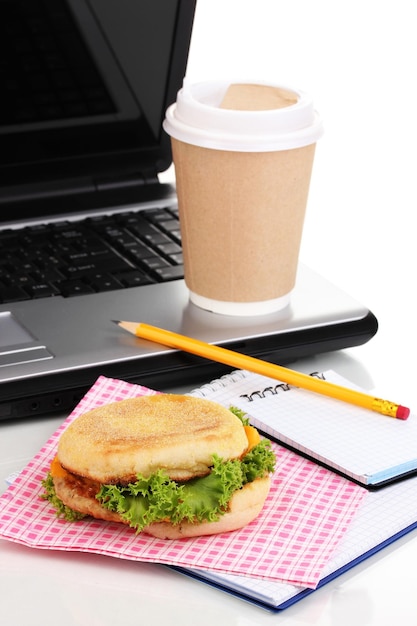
103	282
157	238
42	290
170	272
71	288
177	259
169	248
139	252
134	278
89	265
47	275
154	262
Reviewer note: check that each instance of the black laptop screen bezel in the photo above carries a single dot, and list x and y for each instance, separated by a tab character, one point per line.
54	162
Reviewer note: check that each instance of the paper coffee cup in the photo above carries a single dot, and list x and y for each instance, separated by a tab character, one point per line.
243	156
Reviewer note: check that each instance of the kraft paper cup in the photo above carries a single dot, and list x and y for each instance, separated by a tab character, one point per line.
243	155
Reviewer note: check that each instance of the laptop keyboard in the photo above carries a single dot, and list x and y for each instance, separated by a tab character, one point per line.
97	254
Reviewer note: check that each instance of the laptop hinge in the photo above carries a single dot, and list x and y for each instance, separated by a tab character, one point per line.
44	190
78	186
108	183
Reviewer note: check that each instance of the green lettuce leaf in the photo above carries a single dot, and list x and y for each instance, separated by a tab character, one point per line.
158	498
258	462
240	414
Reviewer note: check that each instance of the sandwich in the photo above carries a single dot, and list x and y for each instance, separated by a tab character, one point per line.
169	465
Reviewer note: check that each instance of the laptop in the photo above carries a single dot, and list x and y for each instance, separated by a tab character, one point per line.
89	234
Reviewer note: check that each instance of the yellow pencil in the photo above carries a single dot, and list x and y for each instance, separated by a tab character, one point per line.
242	361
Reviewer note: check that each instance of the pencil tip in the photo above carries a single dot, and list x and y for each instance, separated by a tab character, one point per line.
131	327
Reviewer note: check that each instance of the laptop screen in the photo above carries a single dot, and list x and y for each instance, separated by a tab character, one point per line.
85	85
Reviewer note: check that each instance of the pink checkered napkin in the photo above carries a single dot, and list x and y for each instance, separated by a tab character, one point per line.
306	514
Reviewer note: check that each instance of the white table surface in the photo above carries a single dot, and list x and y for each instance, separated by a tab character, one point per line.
358	62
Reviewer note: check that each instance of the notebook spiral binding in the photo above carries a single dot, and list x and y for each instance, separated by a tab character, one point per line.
219	383
261	393
274	390
236	376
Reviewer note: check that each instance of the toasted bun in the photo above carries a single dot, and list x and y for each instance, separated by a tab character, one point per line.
180	434
244	507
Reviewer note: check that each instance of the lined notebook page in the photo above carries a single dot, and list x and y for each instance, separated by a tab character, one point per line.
361	444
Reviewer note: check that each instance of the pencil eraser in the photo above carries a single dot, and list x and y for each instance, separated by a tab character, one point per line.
402	412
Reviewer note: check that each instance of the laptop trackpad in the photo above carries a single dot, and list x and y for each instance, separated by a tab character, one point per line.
16	344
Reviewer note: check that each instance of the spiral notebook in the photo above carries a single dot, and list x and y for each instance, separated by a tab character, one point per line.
364	446
383	450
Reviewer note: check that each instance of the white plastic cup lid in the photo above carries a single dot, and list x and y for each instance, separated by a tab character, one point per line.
197	118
